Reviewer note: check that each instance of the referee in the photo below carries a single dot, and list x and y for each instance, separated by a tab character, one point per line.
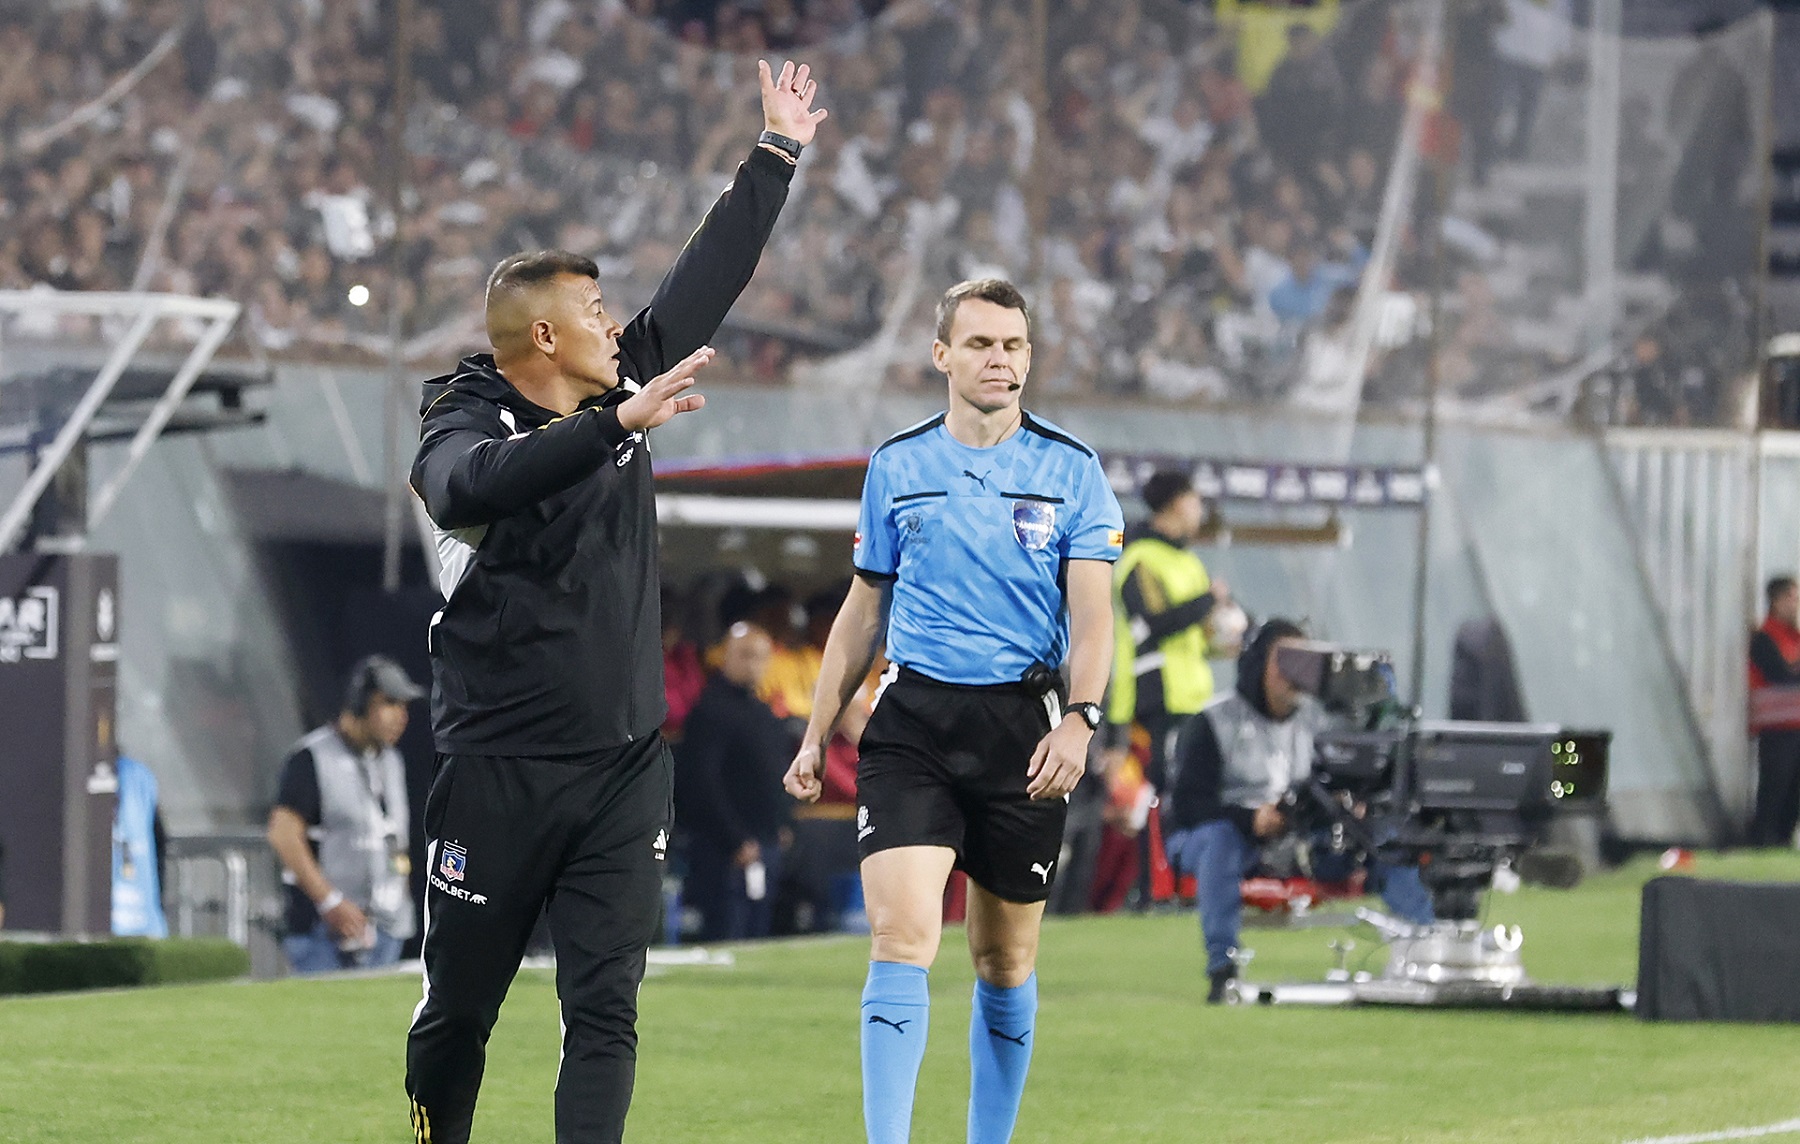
983	561
553	784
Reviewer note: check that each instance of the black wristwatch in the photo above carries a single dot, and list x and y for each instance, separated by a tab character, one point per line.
1089	712
789	147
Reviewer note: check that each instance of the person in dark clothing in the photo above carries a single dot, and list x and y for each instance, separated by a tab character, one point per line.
1484	684
1298	113
728	793
1775	716
1236	763
1474	92
1713	116
554	785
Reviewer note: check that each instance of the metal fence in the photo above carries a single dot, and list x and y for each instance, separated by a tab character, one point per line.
1713	517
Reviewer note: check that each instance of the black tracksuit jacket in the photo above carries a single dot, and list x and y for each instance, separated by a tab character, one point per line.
549	642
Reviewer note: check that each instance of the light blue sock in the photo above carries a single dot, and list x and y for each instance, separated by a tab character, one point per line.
1001	1030
896	1015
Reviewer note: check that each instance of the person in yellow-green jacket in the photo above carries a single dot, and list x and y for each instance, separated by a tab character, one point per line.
1162	597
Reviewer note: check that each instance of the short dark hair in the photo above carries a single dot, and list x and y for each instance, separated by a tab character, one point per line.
1164	486
535	267
996	290
1779	587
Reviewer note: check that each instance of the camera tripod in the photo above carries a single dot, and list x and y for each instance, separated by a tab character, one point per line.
1456	963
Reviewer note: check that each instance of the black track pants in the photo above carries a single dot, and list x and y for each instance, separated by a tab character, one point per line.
588	836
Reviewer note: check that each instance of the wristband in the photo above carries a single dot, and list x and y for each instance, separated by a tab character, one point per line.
789	147
329	902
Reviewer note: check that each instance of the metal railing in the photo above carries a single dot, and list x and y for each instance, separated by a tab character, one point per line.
1692	499
213	882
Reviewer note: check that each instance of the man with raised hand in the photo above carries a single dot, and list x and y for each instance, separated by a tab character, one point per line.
553	784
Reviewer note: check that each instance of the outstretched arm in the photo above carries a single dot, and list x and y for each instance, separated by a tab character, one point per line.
720	258
472	470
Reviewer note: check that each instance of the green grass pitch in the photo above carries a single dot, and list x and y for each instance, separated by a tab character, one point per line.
766	1050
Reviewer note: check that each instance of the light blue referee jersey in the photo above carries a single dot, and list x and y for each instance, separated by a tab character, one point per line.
976	542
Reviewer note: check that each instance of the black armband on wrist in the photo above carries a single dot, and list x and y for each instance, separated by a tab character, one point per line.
789	147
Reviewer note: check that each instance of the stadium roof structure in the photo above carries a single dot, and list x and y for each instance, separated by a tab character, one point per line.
130	417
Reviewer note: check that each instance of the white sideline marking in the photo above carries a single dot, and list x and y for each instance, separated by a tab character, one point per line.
1782	1129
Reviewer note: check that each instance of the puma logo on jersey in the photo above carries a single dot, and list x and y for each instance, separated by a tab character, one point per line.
1043	871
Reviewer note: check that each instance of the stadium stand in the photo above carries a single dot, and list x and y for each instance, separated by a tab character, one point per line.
1205	182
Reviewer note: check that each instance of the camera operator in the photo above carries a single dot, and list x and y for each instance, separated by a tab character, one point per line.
1235	764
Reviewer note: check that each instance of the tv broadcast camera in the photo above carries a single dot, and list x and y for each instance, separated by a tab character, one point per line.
1462	801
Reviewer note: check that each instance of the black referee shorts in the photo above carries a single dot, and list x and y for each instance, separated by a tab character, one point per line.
944	764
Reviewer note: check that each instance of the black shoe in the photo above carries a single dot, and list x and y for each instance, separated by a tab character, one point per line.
1219	978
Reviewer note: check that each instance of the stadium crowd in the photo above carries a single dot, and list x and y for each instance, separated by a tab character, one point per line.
1192	207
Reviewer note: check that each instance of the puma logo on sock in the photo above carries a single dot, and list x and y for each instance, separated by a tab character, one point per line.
1018	1040
878	1019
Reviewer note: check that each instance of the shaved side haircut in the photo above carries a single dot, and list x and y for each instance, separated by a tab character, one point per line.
519	275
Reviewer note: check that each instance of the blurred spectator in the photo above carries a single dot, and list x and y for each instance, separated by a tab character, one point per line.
794	666
1474	96
1774	677
1305	294
1300	109
824	850
1709	107
1534	39
1655	386
340	827
683	674
786	684
138	842
728	793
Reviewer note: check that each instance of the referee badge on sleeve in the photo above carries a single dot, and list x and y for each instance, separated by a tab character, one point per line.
1033	523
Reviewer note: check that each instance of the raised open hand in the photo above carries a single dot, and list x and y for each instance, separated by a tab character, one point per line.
787	101
666	394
